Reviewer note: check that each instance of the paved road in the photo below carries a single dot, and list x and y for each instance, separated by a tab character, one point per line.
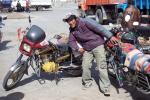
68	88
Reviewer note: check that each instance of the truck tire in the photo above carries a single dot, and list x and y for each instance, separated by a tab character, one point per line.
82	14
99	16
10	9
37	8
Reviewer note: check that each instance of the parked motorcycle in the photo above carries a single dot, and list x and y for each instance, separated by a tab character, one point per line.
1	25
127	61
42	57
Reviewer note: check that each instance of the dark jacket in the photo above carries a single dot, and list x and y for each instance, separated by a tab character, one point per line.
88	33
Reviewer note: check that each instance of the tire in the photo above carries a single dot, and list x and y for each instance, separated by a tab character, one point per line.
10	9
99	16
83	14
115	72
17	73
37	8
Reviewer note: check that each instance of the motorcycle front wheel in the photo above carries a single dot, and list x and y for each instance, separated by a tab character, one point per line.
14	75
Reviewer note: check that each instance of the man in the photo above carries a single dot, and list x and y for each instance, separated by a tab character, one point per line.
90	35
27	6
19	8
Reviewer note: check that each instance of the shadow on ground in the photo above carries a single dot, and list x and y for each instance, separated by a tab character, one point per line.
3	45
43	78
13	96
134	93
131	90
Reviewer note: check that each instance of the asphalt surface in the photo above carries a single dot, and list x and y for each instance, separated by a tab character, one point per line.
69	88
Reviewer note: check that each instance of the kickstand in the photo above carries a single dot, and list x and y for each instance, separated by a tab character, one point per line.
57	78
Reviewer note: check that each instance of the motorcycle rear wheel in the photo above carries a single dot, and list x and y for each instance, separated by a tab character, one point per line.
14	76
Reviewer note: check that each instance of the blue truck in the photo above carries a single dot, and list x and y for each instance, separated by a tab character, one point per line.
5	5
142	5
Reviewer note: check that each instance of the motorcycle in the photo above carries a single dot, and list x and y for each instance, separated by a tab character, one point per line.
1	25
42	57
127	61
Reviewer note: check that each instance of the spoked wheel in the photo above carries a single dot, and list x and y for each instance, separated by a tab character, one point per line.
115	72
14	75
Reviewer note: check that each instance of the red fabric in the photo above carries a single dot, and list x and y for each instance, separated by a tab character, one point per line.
19	32
127	47
147	70
19	35
27	3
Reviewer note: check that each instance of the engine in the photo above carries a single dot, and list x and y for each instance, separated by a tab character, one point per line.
51	57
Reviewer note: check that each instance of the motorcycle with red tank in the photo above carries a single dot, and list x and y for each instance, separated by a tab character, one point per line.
42	58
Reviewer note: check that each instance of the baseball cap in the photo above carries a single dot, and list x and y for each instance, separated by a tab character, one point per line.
69	17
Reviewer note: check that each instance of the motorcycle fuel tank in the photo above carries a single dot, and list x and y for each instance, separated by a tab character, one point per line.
35	34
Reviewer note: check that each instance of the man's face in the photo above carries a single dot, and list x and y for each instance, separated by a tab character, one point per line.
72	23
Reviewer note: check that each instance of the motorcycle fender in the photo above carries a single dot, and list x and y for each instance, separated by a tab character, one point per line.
13	67
24	63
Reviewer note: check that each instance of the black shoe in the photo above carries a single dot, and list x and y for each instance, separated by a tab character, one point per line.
106	93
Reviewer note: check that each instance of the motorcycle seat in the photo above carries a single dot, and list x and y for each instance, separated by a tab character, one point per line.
63	47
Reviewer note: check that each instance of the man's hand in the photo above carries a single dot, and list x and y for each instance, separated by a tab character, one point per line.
81	50
114	40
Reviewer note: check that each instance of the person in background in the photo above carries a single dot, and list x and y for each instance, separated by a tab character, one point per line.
131	16
27	6
19	8
90	35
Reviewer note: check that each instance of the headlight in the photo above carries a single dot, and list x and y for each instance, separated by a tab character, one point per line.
135	23
26	47
127	18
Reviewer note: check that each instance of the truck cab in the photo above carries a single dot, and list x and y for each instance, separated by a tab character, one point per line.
22	2
5	5
104	11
